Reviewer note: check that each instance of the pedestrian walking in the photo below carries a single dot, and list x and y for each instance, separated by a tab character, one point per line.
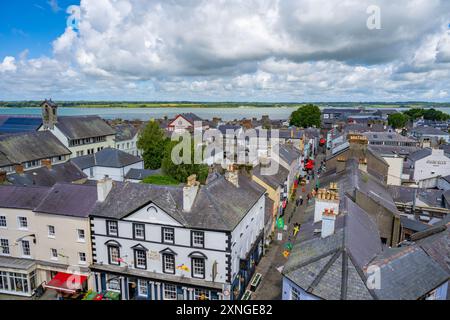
301	200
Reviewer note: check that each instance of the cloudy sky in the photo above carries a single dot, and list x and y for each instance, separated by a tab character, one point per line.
225	50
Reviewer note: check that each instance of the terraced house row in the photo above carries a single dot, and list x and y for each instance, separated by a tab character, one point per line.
138	241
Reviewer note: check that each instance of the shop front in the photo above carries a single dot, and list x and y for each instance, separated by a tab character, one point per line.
139	287
247	268
17	276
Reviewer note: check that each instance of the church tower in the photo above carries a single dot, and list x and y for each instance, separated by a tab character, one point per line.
49	114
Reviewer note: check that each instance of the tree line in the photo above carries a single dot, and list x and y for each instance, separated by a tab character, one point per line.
400	120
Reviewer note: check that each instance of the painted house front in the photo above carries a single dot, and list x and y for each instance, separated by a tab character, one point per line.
433	164
146	247
44	231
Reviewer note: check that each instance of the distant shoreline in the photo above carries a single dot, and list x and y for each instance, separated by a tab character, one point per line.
211	105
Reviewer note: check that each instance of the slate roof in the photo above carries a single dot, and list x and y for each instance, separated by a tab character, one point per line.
414	225
82	127
16	263
274	180
392	150
212	208
431	197
69	200
141	174
223	128
191	117
20	148
290	133
4	161
407	273
14	197
361	128
109	157
352	179
387	136
125	132
337	267
289	153
425	130
64	172
446	148
447	178
332	268
437	246
420	154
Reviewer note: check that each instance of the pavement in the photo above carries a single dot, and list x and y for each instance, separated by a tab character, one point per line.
271	284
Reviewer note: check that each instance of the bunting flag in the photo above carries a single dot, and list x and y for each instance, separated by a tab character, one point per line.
183	267
296	230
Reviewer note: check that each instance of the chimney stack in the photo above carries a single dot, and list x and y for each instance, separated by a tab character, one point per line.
19	169
232	175
104	186
47	163
325	200
328	222
190	192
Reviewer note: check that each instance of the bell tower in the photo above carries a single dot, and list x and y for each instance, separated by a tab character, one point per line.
49	114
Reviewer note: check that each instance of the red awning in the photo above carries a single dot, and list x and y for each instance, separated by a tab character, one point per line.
310	165
66	282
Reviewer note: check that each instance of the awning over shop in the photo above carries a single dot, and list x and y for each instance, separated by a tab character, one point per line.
65	282
309	165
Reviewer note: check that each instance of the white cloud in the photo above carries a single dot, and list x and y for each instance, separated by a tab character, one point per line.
252	49
8	64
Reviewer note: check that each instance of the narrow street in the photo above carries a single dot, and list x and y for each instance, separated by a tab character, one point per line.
271	284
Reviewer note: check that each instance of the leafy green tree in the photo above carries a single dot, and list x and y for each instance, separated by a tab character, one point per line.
436	115
152	142
181	172
427	114
415	113
398	120
306	116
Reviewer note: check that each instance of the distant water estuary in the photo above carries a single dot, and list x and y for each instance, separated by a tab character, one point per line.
145	114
